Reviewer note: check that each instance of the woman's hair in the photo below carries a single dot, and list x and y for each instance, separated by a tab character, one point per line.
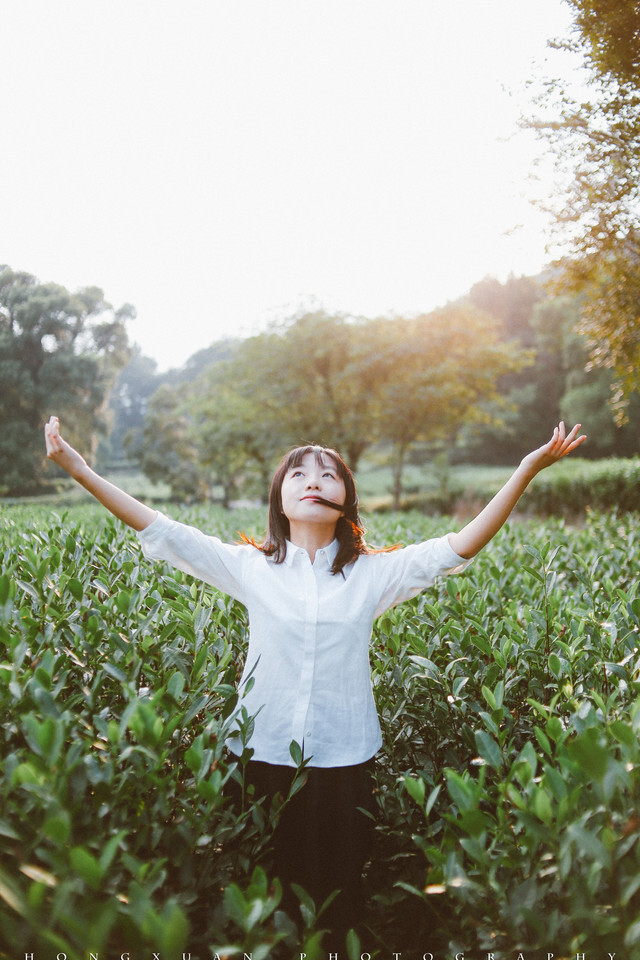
349	530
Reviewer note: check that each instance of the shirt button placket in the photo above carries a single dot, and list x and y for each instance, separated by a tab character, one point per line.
303	700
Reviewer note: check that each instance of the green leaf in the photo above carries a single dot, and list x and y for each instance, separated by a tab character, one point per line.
193	756
176	684
433	796
482	644
632	936
616	669
542	805
543	740
623	733
12	895
488	749
352	943
554	665
58	827
475	822
174	932
5	588
123	601
114	672
489	697
533	552
110	850
460	790
75	588
591	756
554	728
26	773
296	752
416	789
86	866
533	573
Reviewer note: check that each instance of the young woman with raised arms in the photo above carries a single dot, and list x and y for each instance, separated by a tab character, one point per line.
312	589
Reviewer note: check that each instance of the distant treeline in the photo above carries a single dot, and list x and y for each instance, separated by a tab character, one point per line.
479	380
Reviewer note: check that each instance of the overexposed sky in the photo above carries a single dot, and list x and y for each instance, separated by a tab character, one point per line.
219	162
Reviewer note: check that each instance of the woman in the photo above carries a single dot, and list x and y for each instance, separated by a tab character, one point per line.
312	589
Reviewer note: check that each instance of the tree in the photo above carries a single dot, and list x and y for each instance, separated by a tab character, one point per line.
136	383
531	392
232	446
313	379
308	379
128	403
556	385
59	352
443	375
595	143
334	366
169	451
585	392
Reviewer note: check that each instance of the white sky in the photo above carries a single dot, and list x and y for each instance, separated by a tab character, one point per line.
218	162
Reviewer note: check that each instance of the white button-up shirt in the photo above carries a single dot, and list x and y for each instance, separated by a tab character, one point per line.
309	633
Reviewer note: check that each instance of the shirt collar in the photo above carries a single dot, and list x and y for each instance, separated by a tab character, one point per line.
329	552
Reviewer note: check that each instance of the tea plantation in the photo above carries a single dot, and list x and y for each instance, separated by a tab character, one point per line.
508	787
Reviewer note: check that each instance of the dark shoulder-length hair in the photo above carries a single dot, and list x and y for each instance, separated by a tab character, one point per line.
349	529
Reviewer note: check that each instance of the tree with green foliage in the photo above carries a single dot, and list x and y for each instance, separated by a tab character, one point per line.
585	389
595	142
128	402
314	378
532	391
309	378
238	439
137	382
58	350
321	378
559	384
168	451
442	375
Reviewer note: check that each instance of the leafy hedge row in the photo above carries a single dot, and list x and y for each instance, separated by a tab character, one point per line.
576	485
572	487
508	785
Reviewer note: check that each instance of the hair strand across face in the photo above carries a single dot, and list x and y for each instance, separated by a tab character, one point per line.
349	530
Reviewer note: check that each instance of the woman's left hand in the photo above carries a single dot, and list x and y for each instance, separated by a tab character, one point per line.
559	446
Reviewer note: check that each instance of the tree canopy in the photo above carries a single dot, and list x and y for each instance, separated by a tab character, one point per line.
59	352
326	378
595	142
482	378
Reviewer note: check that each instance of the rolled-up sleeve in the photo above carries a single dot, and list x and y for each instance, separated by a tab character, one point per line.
404	573
220	564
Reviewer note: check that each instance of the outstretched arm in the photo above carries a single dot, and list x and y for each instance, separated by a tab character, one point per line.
477	533
121	505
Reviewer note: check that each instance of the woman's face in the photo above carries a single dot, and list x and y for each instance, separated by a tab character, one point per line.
309	479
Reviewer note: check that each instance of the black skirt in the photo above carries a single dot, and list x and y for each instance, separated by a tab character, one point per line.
323	836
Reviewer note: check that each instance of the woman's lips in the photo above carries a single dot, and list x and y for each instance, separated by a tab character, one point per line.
325	503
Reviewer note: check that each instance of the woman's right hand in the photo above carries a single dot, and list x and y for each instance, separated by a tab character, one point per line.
121	505
60	451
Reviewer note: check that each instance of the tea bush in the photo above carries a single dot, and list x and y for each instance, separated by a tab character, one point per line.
583	484
507	786
568	490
